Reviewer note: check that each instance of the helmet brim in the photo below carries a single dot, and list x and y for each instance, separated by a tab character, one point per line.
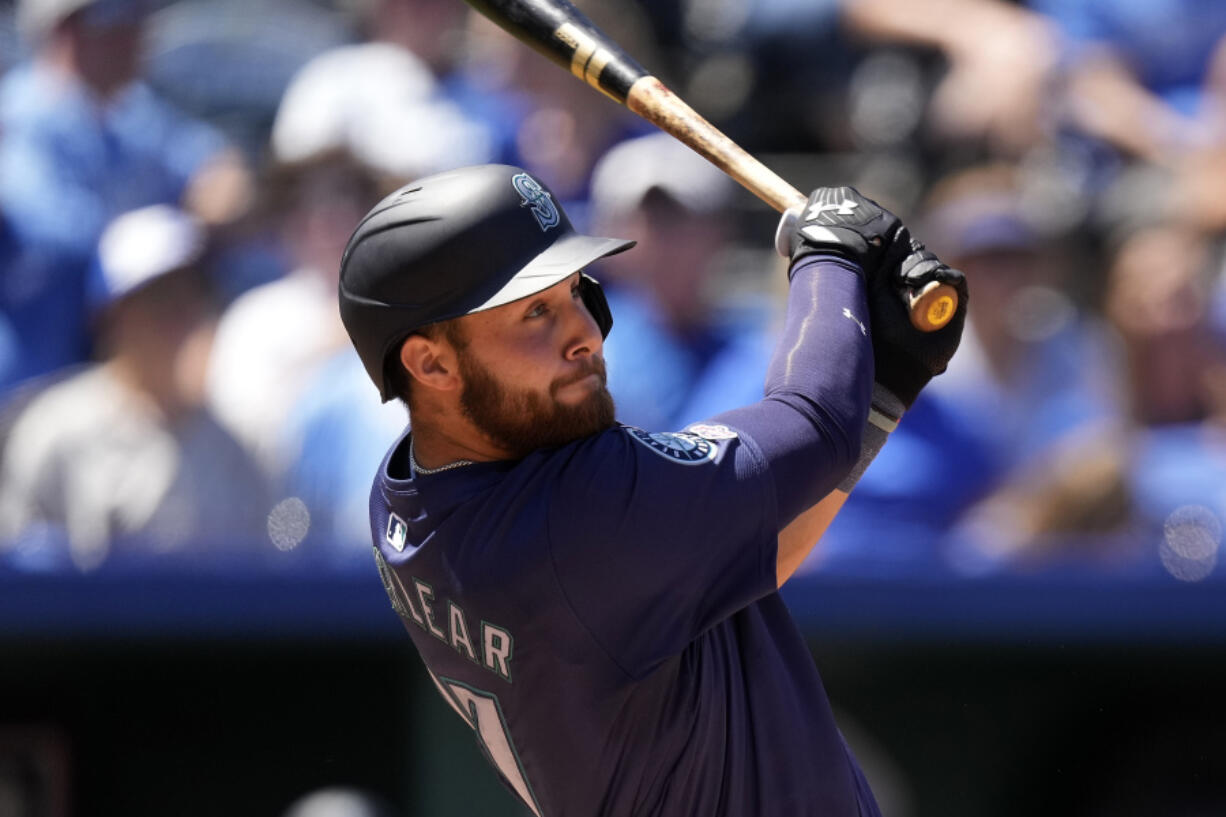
564	257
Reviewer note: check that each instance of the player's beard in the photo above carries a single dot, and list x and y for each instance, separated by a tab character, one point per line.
522	421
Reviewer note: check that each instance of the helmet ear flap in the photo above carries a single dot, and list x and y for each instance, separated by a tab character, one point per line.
596	303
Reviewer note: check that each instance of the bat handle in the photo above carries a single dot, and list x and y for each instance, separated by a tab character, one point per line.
931	306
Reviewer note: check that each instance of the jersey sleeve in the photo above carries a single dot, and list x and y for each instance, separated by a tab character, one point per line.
655	537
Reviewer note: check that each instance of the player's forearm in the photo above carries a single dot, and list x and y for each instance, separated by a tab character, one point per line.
798	539
818	386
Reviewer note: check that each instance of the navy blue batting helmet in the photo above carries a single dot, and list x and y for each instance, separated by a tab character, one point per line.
455	243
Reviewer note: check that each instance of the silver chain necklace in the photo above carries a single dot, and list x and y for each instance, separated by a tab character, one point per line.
417	469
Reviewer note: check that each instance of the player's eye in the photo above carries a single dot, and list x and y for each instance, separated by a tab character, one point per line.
537	310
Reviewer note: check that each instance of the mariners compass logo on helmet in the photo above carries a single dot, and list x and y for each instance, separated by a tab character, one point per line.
534	196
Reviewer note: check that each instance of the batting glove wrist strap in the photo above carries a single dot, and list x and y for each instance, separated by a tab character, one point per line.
883	415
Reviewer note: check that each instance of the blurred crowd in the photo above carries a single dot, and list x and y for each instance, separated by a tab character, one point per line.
178	180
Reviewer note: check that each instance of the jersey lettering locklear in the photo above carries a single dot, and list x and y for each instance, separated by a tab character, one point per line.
491	649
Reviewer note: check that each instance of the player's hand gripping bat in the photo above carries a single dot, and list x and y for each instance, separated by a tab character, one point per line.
562	33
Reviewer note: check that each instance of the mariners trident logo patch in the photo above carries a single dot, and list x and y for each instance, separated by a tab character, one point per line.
676	446
534	196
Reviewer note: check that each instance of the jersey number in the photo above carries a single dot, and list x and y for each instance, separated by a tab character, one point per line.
481	711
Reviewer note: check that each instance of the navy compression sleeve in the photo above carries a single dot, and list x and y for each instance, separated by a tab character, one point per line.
818	386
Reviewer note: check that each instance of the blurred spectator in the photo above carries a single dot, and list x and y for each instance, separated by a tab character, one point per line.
1032	360
338	432
1034	383
383	100
229	62
1138	72
686	344
1158	301
272	340
300	400
1143	83
1151	481
1000	61
120	459
85	140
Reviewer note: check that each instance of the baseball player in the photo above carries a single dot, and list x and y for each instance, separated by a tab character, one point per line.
599	602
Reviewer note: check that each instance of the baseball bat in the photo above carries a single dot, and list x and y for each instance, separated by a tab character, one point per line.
562	33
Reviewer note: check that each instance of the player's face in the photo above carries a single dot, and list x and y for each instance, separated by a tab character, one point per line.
533	372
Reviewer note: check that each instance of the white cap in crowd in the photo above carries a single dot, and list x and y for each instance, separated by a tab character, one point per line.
141	246
631	169
382	104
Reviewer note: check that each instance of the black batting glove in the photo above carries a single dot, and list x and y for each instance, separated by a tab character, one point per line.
905	358
840	221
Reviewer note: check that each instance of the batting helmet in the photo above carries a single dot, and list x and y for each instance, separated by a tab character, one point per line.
456	243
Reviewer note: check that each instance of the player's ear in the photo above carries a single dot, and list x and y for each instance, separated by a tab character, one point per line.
431	362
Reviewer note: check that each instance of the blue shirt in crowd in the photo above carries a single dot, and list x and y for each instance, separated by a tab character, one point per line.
1169	44
69	165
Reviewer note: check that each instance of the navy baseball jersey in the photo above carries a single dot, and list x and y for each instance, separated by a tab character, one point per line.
604	617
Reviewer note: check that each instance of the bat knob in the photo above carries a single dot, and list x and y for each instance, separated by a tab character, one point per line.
932	306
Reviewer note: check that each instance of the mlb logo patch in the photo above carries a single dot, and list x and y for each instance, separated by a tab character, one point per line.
397	533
